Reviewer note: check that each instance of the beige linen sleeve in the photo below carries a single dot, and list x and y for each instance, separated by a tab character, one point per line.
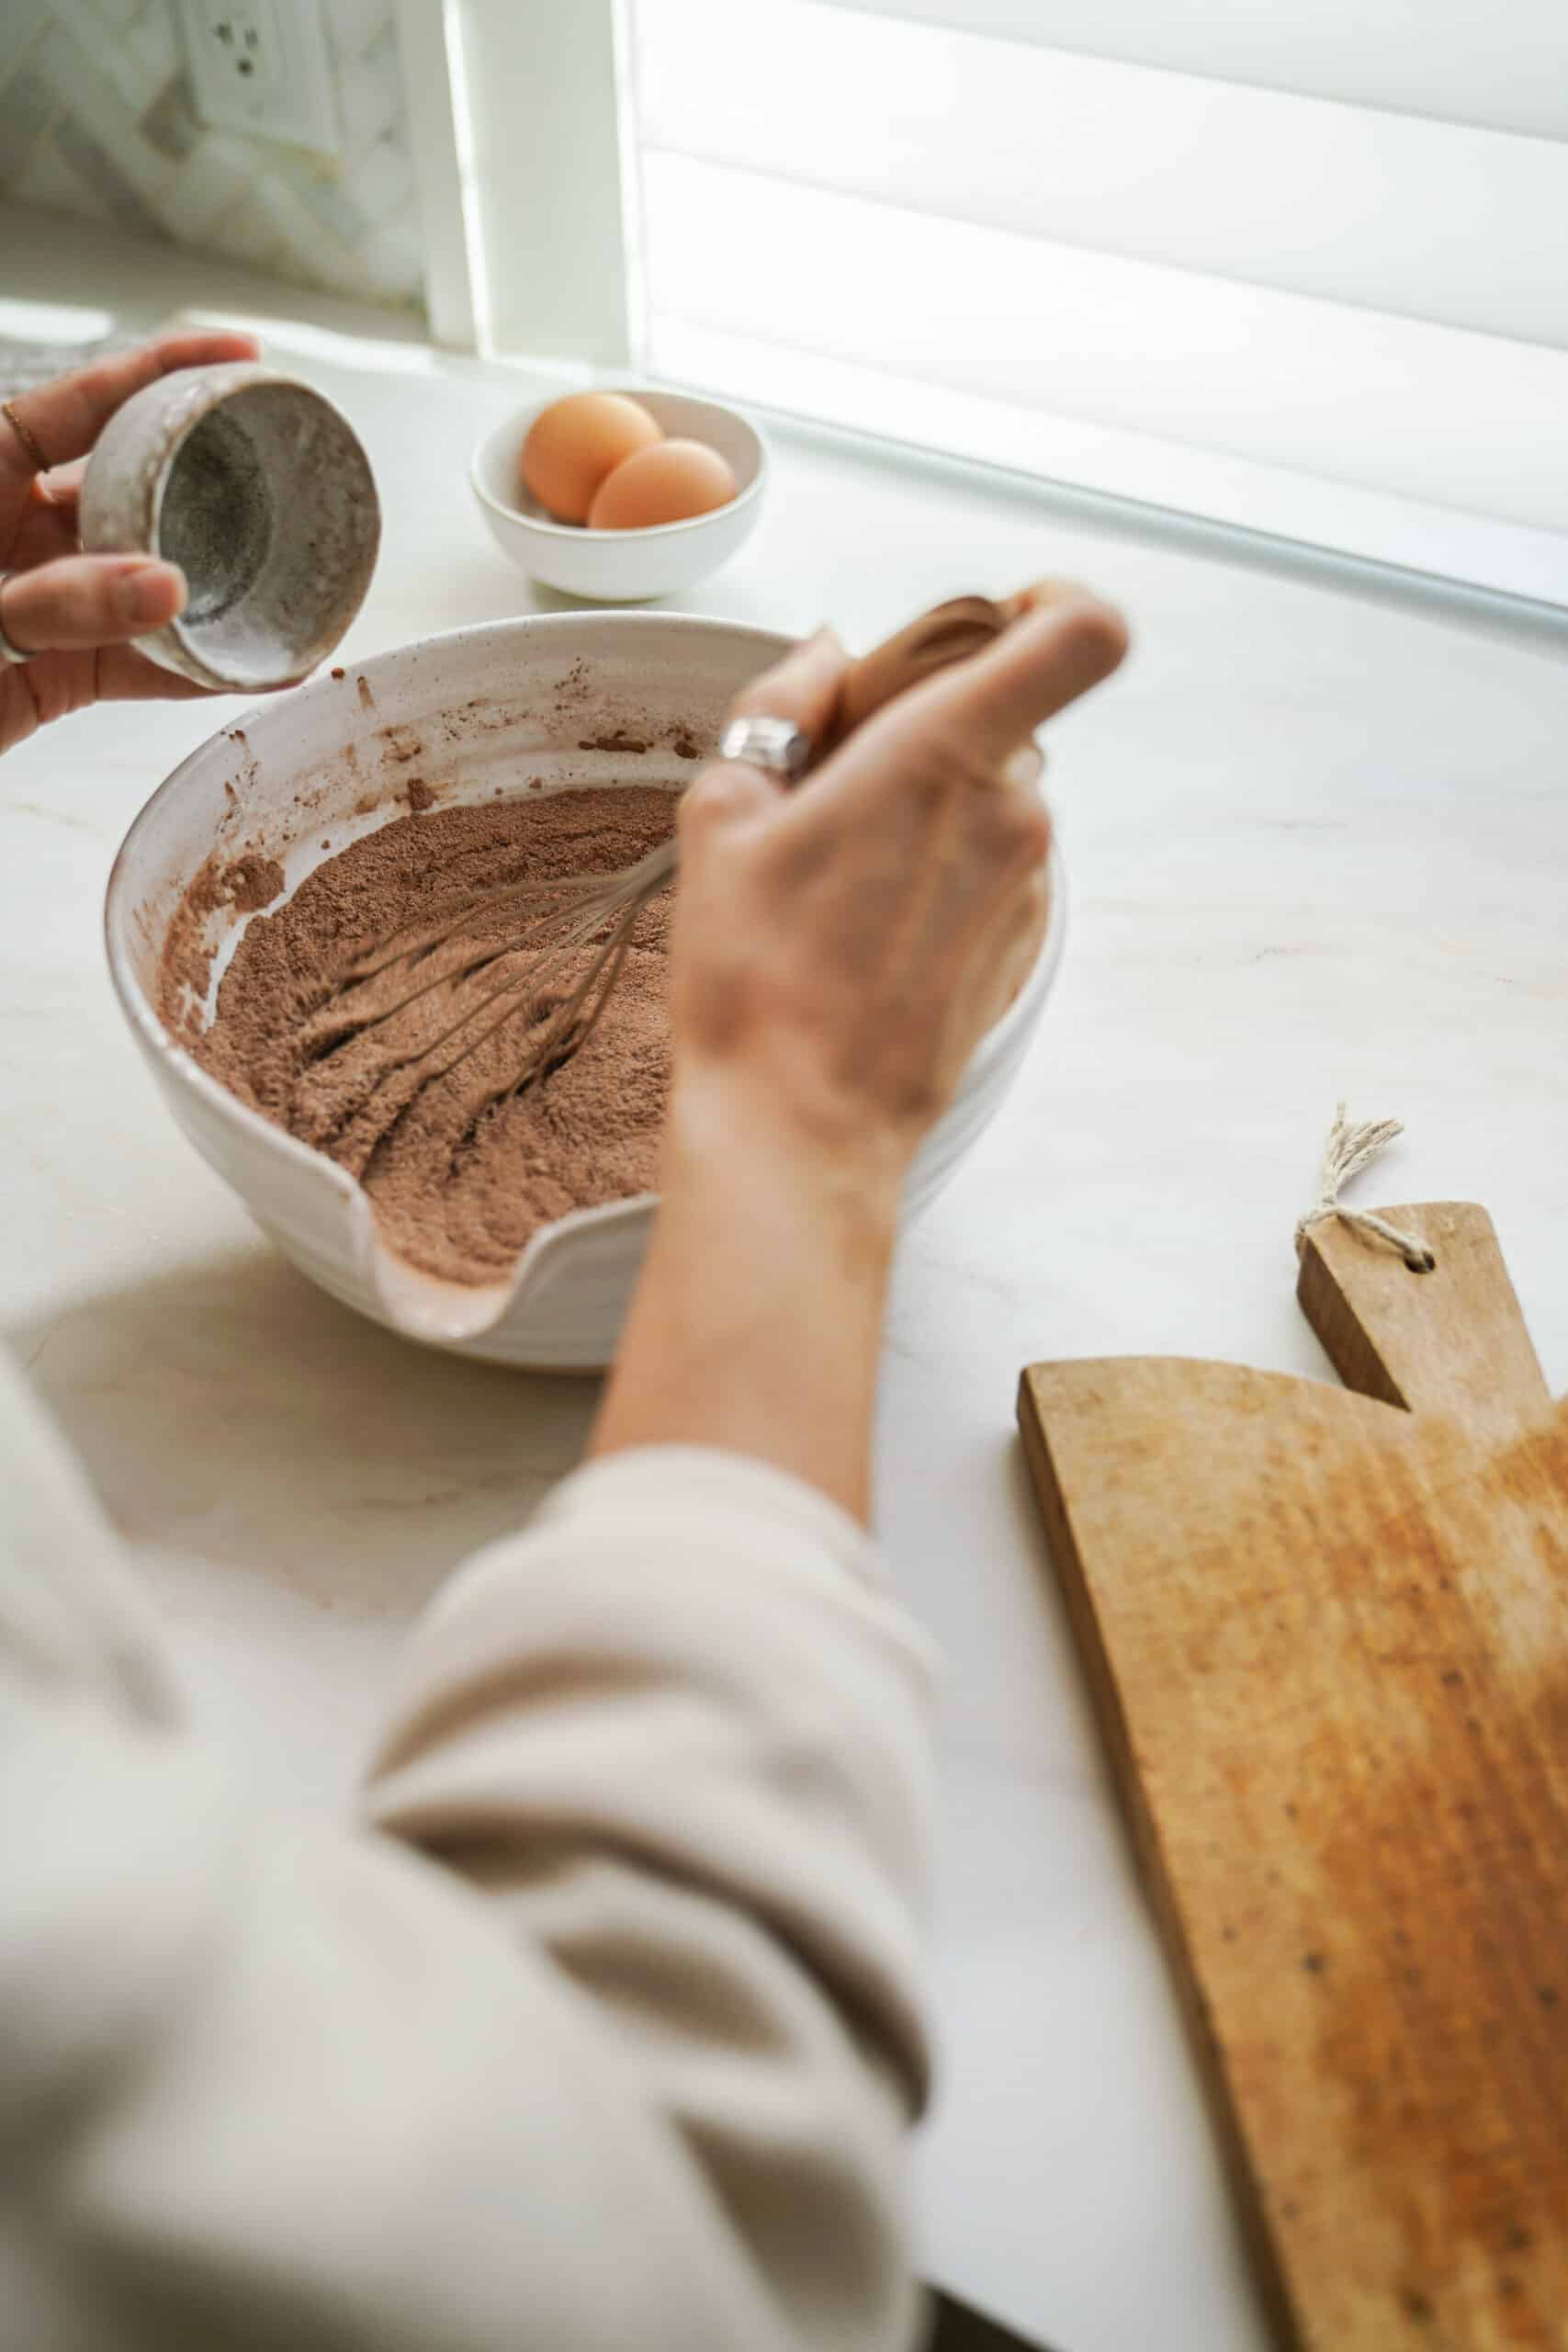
606	2032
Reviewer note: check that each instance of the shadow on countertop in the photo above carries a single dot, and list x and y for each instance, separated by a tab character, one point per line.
955	2327
231	1412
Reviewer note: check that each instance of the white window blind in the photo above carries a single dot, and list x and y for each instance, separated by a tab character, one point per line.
1300	268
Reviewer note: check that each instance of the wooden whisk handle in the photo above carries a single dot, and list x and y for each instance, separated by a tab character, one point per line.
948	633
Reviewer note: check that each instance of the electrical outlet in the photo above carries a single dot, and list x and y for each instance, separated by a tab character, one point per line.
263	66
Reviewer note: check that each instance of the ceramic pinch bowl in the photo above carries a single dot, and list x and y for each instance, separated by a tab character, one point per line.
258	488
562	700
624	567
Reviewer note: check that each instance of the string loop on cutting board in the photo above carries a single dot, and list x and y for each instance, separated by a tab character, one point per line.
1349	1149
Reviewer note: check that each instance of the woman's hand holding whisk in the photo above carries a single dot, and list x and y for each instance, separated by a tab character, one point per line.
838	954
839	950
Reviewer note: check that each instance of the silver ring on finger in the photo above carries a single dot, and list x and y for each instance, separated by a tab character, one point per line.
9	652
776	744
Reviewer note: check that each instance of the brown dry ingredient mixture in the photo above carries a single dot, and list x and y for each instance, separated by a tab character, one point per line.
245	883
460	1171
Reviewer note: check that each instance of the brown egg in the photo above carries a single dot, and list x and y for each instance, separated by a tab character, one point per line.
668	483
576	443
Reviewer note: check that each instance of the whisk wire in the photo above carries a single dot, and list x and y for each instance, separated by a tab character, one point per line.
464	907
555	920
569	1033
550	953
548	939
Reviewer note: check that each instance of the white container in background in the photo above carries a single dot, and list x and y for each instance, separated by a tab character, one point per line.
624	567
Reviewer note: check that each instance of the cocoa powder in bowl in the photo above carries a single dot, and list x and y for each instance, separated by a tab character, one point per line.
460	1171
459	1179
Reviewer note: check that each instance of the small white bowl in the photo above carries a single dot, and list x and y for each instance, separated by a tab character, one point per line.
623	567
259	488
312	771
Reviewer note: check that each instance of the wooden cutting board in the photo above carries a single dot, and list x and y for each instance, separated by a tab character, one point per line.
1327	1639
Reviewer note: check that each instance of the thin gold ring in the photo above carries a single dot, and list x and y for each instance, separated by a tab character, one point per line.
26	436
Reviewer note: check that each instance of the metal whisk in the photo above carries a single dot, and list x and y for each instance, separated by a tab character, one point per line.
551	922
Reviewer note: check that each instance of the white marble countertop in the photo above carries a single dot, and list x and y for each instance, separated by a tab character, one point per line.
1317	847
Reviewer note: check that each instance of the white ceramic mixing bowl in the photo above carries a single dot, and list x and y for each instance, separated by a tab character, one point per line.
466	713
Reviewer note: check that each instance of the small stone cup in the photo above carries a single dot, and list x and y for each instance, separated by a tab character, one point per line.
258	488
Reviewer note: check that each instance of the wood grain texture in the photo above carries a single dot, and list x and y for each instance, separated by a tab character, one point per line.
1329	1644
1450	1342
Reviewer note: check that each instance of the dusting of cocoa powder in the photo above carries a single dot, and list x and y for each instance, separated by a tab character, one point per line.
460	1171
252	881
186	964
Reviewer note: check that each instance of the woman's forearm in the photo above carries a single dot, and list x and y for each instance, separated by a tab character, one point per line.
757	1324
838	952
